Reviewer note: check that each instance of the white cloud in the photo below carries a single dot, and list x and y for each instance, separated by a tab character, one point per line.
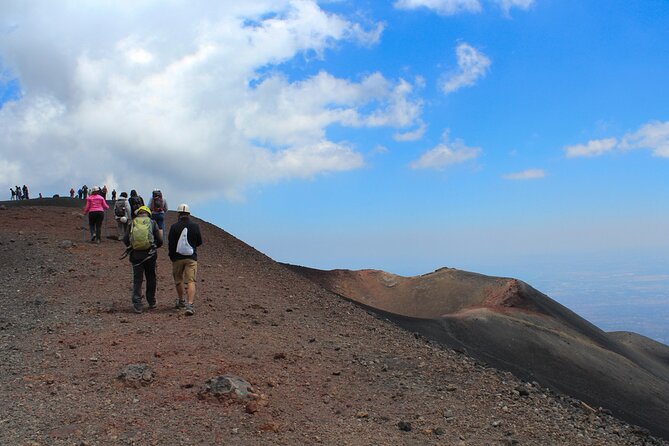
443	7
653	136
529	174
472	65
191	99
506	5
592	148
452	7
413	135
446	154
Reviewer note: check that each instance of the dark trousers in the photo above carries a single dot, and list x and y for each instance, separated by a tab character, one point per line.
95	223
145	268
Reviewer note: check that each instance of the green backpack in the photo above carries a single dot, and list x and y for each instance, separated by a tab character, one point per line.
141	234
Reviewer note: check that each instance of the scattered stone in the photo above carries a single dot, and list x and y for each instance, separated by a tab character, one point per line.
522	391
438	431
404	426
336	372
137	375
496	423
3	207
251	407
362	414
66	244
229	386
280	355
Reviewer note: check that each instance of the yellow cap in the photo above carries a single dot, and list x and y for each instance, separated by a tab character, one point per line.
143	209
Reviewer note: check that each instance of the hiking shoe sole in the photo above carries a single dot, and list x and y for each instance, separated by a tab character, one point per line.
189	310
180	304
137	310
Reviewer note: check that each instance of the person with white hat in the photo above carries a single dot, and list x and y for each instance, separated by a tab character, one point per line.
183	239
122	214
95	208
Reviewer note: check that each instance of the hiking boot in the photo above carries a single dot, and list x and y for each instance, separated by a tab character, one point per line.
180	303
137	309
189	310
97	241
152	306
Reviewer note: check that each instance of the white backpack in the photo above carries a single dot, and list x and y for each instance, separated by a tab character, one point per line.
183	247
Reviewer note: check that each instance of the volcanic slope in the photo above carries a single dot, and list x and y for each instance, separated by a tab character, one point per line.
512	326
325	370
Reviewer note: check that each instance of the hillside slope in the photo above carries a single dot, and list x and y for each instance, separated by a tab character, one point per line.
325	370
514	327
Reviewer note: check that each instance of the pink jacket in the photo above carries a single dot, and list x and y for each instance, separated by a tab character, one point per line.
95	203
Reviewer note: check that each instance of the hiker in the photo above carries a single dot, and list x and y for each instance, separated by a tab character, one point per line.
122	214
84	188
143	238
13	193
71	192
184	238
158	207
113	194
19	194
95	208
80	193
135	202
104	191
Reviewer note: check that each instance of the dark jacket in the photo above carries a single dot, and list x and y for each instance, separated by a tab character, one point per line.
139	255
194	238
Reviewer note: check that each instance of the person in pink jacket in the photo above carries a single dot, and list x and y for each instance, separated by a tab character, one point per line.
95	208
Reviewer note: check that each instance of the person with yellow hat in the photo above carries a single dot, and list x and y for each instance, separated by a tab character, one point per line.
143	238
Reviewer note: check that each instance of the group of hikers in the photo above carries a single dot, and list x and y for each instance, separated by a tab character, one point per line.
141	227
20	193
84	192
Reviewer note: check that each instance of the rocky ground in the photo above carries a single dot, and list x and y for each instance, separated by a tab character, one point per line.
322	370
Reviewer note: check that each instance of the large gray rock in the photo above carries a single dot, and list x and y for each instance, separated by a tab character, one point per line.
228	386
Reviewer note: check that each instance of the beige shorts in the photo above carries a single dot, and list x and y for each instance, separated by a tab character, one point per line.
184	271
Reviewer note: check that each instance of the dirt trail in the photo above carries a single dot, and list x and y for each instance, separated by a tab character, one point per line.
325	370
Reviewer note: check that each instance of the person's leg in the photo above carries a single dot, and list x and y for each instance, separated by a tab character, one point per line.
177	274
137	278
150	271
190	273
91	225
98	226
120	227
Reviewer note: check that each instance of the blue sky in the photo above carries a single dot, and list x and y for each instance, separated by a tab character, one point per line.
492	135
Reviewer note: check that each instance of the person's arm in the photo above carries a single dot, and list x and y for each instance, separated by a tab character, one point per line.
88	206
157	238
198	236
128	212
104	204
172	242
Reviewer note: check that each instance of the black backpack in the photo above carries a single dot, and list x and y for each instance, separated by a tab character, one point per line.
135	203
158	202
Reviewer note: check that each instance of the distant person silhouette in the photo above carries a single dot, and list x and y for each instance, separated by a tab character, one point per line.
13	193
84	188
113	197
26	195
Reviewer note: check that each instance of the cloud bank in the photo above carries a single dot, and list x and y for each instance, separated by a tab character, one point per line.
653	136
453	7
187	97
446	154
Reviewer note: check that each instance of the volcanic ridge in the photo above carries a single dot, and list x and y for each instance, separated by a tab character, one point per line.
466	359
